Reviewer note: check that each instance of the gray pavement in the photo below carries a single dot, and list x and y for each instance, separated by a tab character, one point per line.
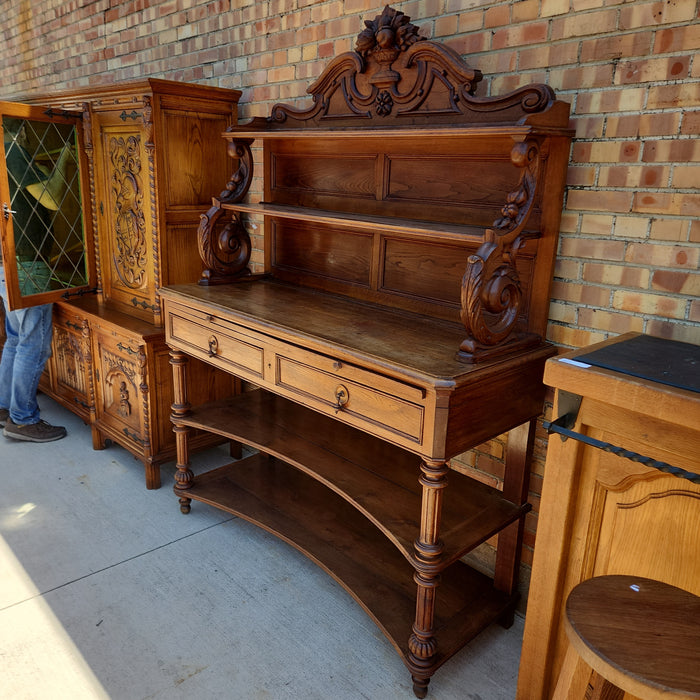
108	591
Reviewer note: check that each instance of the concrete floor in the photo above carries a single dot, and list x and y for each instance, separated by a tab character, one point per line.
108	591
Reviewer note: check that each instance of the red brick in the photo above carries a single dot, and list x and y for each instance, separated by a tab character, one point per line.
648	14
581	77
681	204
633	176
589	127
674	330
580	176
674	96
694	236
573	337
676	282
588	24
694	314
610	321
606	152
659	255
599	200
617	46
606	101
670	230
498	16
672	151
616	275
644	303
661	69
597	224
548	55
677	39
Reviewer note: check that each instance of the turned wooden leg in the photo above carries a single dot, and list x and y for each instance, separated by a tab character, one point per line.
179	409
422	644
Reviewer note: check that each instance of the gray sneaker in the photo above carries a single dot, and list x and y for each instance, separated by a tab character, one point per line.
33	432
4	417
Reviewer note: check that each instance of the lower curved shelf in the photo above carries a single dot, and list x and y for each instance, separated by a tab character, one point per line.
304	513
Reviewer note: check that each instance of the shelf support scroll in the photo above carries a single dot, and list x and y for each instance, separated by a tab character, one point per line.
491	291
224	243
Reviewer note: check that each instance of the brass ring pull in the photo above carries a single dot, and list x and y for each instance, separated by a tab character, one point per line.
342	396
213	346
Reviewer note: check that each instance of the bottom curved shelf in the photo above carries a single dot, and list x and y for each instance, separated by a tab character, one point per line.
296	508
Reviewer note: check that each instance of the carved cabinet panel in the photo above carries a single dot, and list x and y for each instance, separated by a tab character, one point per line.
125	213
70	365
121	396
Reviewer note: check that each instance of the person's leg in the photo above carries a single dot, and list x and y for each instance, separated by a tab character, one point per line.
8	357
33	330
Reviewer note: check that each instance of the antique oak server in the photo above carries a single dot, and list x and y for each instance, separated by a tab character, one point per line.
410	234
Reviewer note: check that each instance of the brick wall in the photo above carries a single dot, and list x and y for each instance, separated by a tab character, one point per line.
630	244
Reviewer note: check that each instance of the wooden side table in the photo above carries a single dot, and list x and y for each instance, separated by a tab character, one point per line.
606	514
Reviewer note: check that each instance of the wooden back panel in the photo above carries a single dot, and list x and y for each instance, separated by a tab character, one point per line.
438	180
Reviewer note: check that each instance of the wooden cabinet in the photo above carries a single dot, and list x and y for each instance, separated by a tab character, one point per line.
410	233
154	155
606	514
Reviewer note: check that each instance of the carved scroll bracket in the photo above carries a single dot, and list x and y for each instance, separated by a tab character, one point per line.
224	243
224	246
239	182
491	291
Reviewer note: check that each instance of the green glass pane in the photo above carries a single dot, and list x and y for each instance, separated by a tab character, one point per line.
45	199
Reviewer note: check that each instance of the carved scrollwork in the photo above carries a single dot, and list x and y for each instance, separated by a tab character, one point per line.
131	250
224	246
239	182
491	291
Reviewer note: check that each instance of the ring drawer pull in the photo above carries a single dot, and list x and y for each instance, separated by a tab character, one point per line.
213	346
342	396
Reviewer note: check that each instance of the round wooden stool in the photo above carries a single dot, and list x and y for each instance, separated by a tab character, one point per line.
638	635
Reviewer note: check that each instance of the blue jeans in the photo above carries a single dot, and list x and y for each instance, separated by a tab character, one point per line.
27	347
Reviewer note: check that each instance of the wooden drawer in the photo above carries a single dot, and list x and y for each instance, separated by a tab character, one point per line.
366	399
217	342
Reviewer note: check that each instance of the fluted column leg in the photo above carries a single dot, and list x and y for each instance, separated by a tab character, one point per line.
422	644
179	409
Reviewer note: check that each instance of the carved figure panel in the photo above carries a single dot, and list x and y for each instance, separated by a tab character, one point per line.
120	386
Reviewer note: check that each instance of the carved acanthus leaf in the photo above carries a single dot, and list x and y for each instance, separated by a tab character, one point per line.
491	291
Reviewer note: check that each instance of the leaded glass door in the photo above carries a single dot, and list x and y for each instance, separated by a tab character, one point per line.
45	239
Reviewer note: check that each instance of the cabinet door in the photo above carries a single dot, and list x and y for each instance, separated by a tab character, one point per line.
121	386
70	365
45	243
126	204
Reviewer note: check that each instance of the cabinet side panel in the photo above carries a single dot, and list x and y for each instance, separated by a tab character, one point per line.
196	163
